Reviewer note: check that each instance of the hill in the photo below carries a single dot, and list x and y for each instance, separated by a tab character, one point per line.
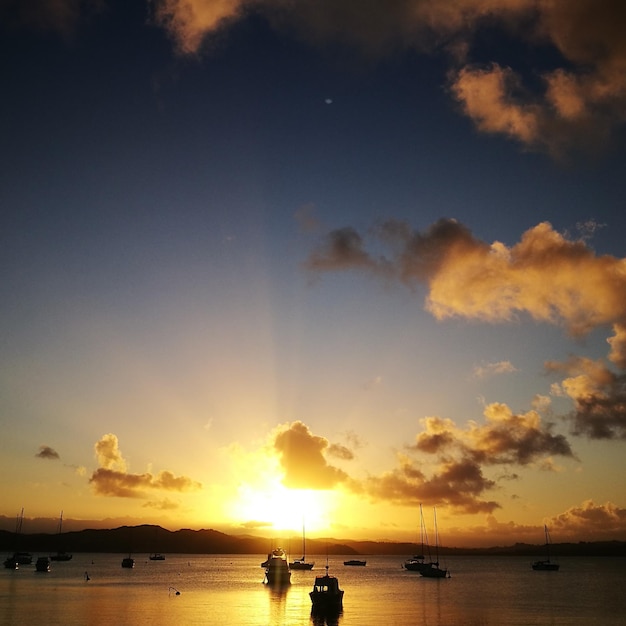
148	538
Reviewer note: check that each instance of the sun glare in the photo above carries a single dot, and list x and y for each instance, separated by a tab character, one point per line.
277	508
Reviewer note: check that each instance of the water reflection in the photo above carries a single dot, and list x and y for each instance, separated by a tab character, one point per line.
277	610
320	617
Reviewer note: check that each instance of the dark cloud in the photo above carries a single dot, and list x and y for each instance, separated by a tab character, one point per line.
109	482
458	484
46	452
599	397
302	458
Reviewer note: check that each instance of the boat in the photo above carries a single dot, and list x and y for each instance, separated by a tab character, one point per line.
302	563
42	564
128	562
61	555
355	562
277	570
546	565
418	561
157	556
432	569
326	595
18	558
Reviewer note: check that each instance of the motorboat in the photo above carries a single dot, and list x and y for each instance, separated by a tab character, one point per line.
326	595
128	562
42	564
277	570
157	556
355	562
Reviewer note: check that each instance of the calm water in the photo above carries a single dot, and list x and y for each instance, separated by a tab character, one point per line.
228	590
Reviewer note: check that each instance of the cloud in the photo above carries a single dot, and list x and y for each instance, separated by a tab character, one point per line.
46	452
546	275
302	458
493	369
579	98
112	479
108	452
161	505
594	521
599	397
109	482
457	484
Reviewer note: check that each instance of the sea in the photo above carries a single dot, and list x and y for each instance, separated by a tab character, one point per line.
94	590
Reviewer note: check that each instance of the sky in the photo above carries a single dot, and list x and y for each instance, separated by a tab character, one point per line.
268	264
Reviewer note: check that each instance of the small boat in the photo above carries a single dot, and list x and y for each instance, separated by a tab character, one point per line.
277	570
17	559
432	569
326	595
157	556
355	562
61	555
546	565
302	564
128	562
11	563
42	564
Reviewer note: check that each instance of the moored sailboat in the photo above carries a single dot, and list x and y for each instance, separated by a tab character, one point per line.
302	563
432	569
546	564
417	562
61	555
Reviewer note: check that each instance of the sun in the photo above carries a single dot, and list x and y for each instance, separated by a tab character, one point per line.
277	508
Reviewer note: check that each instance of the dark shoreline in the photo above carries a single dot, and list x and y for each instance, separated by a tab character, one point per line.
148	538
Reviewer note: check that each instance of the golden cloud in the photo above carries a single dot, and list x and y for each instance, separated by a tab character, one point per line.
112	479
302	458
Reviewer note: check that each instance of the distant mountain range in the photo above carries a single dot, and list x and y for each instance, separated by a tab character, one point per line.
148	538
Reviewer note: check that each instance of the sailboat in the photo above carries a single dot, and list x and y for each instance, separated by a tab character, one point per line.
128	561
18	558
61	555
416	563
546	564
302	562
432	569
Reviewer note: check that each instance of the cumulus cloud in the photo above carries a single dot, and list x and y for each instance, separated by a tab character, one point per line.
546	275
46	452
458	484
461	454
599	397
303	458
594	521
112	479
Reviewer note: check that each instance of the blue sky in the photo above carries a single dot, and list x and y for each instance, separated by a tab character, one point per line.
223	228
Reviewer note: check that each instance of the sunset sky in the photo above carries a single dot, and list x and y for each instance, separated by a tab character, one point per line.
267	261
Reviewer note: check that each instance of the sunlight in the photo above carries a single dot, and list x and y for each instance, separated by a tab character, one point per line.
277	508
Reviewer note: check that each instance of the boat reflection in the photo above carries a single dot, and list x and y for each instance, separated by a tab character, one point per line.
326	618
